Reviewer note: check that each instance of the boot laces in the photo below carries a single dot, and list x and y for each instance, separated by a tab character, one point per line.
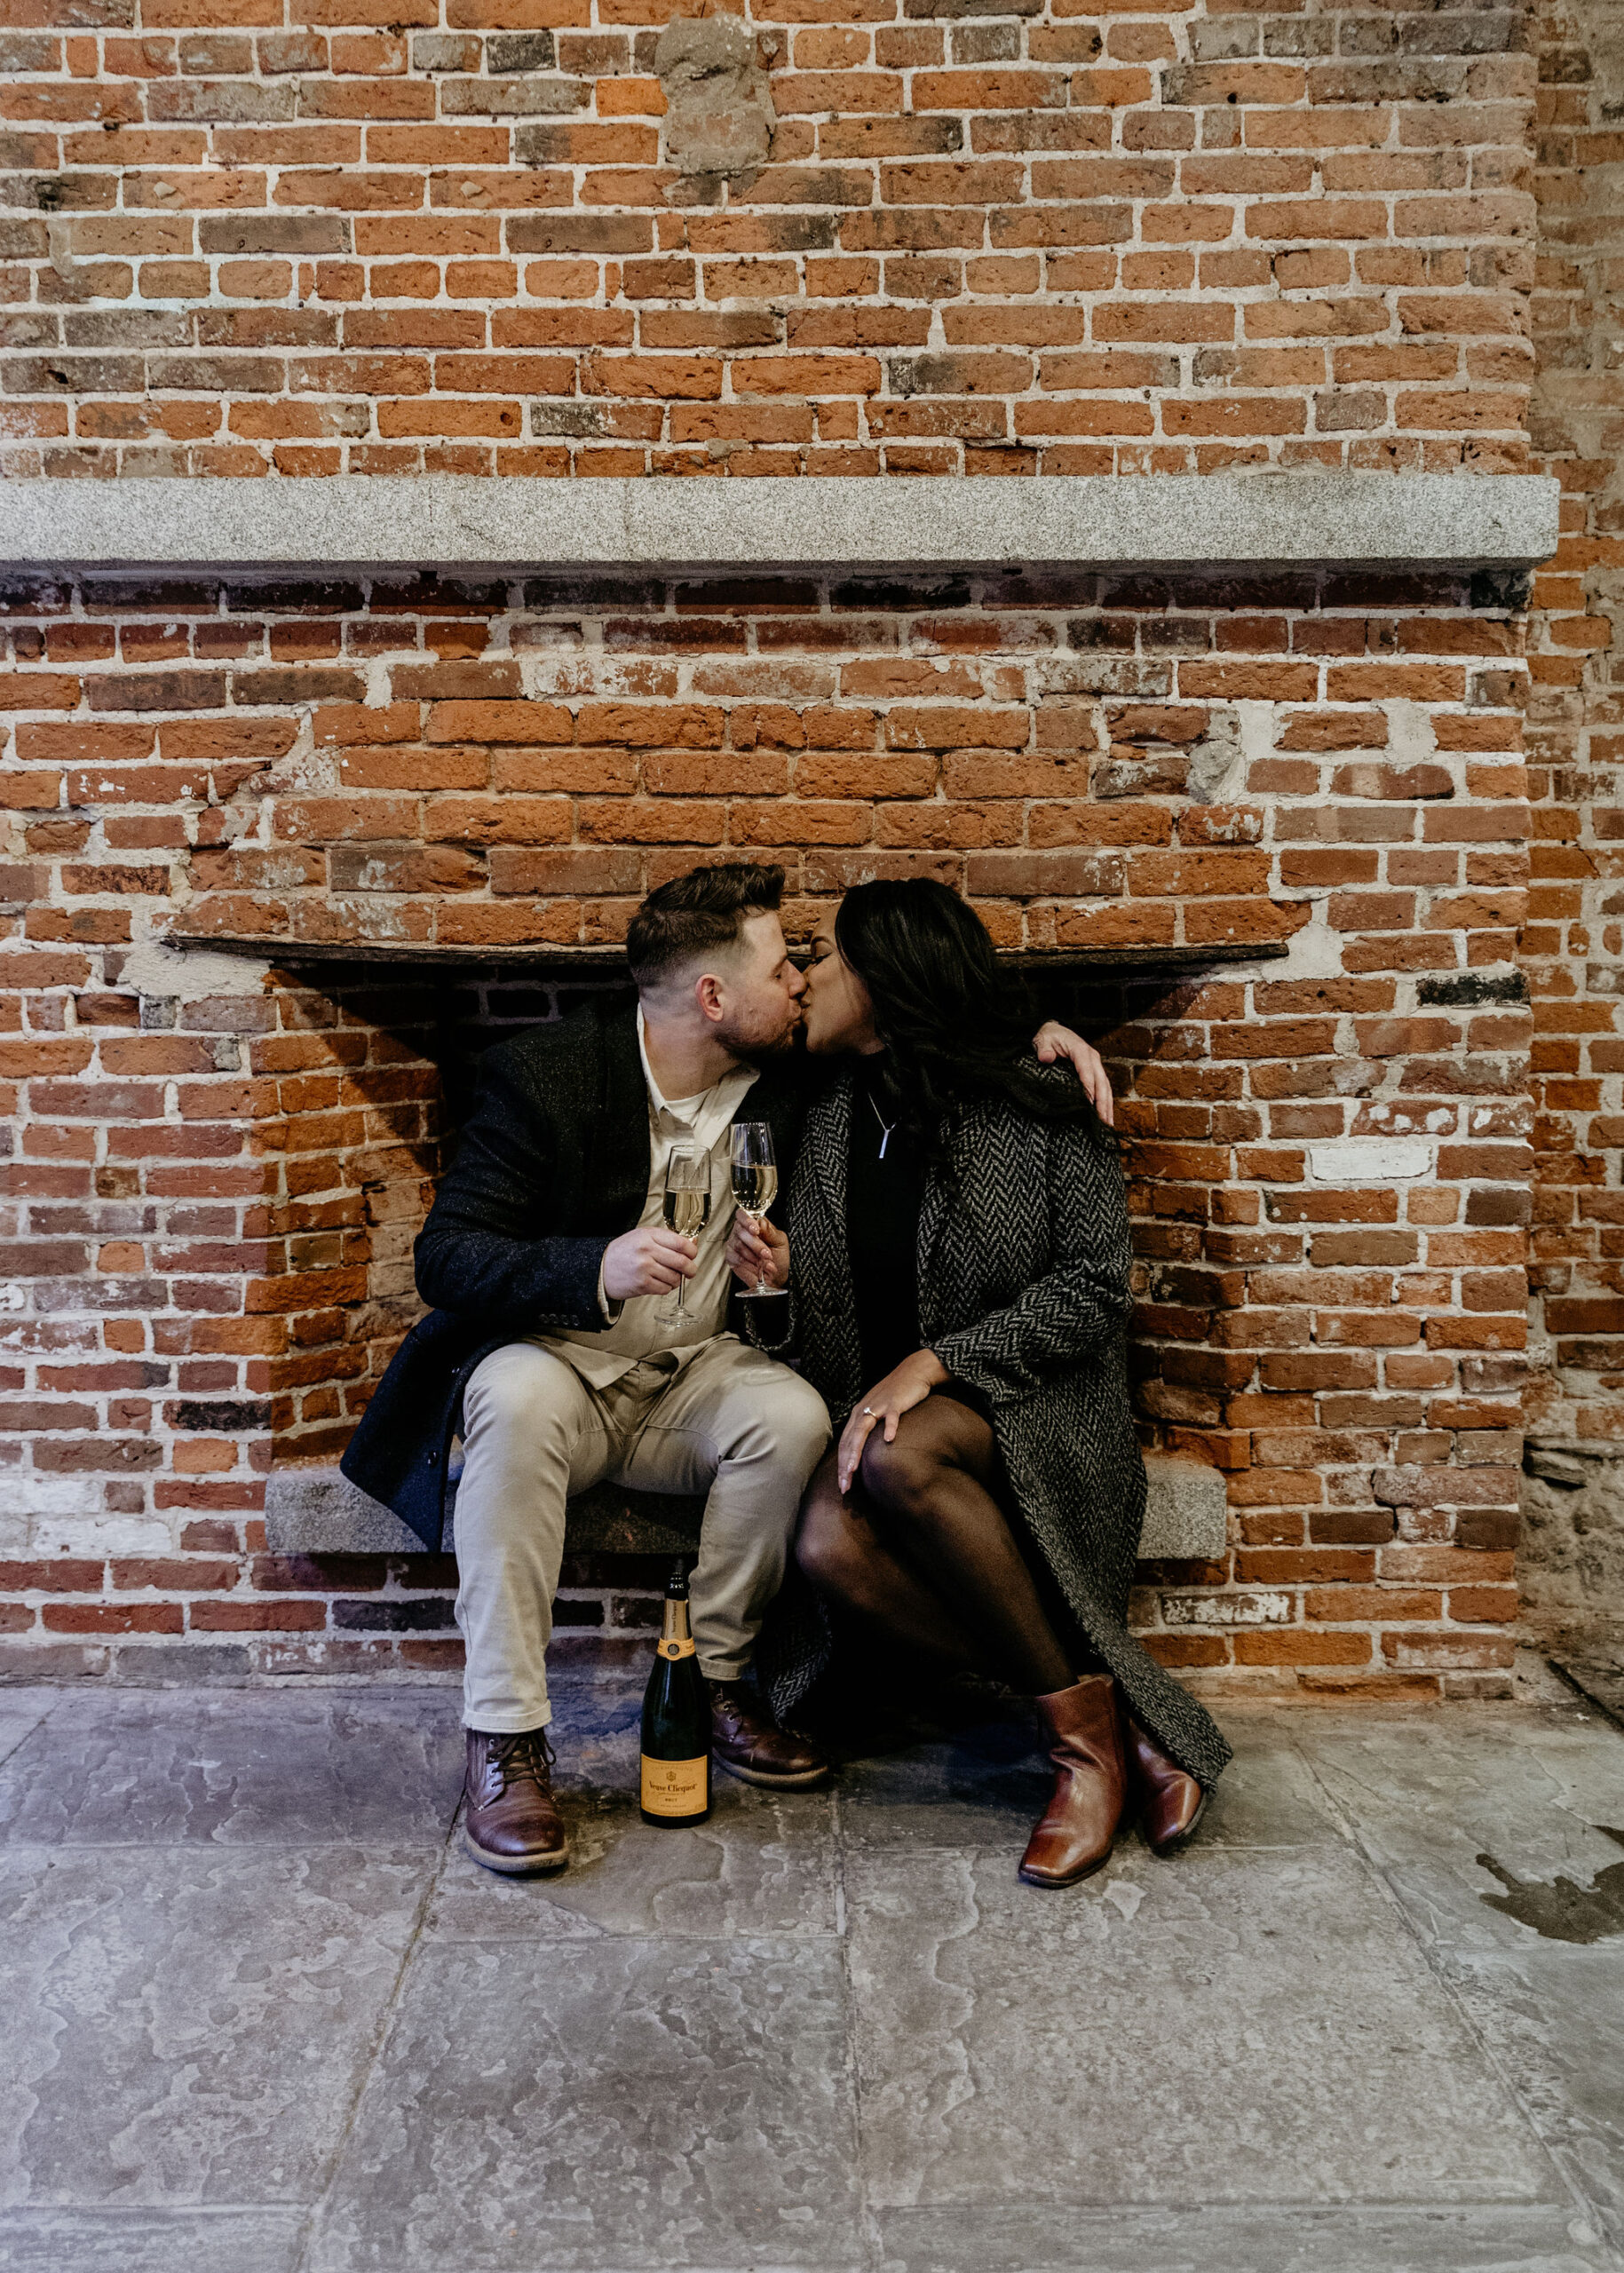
528	1756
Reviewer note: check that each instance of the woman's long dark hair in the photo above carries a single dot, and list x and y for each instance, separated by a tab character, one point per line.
957	1025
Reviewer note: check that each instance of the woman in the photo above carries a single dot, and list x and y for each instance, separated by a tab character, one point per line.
959	1241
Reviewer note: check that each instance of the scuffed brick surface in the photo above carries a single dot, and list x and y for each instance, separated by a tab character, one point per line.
242	237
216	1179
303	237
1573	946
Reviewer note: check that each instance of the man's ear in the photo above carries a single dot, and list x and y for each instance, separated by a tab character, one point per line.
707	993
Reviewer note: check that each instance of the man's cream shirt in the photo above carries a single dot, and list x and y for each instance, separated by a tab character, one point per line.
634	1331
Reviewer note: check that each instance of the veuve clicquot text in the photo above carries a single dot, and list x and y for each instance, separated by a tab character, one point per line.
676	1721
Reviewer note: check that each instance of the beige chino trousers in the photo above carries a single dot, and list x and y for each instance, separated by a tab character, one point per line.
720	1418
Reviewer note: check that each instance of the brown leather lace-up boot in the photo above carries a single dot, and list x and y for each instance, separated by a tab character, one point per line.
1073	1838
511	1823
749	1744
1171	1803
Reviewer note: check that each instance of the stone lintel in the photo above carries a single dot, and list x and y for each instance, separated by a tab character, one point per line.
358	525
314	1510
422	958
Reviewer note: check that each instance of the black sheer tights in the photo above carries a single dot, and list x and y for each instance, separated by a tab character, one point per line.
922	1550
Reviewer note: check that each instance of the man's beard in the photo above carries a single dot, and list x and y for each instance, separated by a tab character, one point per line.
756	1050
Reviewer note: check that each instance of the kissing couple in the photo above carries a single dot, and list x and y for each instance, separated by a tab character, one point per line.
947	1475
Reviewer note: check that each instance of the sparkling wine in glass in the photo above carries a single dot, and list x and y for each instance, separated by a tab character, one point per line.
755	1181
688	1208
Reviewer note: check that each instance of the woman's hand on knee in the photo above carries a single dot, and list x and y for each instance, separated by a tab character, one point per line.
905	1386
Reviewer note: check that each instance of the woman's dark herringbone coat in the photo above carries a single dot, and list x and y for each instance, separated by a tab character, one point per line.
1023	1294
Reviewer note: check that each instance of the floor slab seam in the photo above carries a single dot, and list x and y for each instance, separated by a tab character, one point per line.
367	1850
868	2217
1592	1697
24	1707
1288	2241
20	1738
186	2022
688	1937
504	2098
380	2038
431	1944
1124	1848
1589	2211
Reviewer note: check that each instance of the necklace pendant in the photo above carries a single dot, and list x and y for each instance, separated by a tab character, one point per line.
883	1141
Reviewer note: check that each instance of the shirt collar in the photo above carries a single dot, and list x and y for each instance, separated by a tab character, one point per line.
744	1075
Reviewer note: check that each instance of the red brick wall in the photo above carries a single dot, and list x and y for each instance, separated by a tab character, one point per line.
216	1178
1573	945
242	237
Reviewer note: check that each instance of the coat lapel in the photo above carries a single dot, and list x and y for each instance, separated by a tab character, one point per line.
829	1155
622	1133
935	1208
818	1230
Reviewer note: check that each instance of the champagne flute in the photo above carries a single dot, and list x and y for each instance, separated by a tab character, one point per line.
687	1210
755	1169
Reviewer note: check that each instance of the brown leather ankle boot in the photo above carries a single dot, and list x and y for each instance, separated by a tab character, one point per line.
510	1822
1084	1728
1171	1801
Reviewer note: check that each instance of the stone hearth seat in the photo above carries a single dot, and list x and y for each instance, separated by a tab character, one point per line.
312	1509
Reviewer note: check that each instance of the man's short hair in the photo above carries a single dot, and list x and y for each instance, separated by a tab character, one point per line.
697	915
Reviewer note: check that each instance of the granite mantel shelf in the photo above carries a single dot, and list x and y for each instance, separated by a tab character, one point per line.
471	526
422	955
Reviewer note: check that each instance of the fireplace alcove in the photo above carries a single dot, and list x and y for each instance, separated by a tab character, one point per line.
468	999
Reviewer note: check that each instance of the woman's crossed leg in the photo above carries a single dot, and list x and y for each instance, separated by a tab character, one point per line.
922	1548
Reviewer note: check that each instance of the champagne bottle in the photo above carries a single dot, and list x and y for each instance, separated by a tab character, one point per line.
676	1720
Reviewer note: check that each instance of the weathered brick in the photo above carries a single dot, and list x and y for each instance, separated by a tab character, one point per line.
956	264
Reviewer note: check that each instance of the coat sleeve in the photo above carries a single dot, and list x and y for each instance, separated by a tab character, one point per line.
1082	1304
488	1250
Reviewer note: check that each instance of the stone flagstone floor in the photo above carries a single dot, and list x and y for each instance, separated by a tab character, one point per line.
261	2015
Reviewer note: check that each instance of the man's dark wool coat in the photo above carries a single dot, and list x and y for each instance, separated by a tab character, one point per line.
553	1164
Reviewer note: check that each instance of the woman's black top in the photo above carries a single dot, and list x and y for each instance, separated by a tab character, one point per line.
883	1195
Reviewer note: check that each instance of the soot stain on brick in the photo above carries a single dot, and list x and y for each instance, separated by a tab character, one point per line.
1468	988
1560	1909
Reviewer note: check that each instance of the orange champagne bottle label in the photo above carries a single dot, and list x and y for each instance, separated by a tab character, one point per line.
674	1649
675	1786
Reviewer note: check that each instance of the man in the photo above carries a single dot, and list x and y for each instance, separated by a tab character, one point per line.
552	1340
552	1272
